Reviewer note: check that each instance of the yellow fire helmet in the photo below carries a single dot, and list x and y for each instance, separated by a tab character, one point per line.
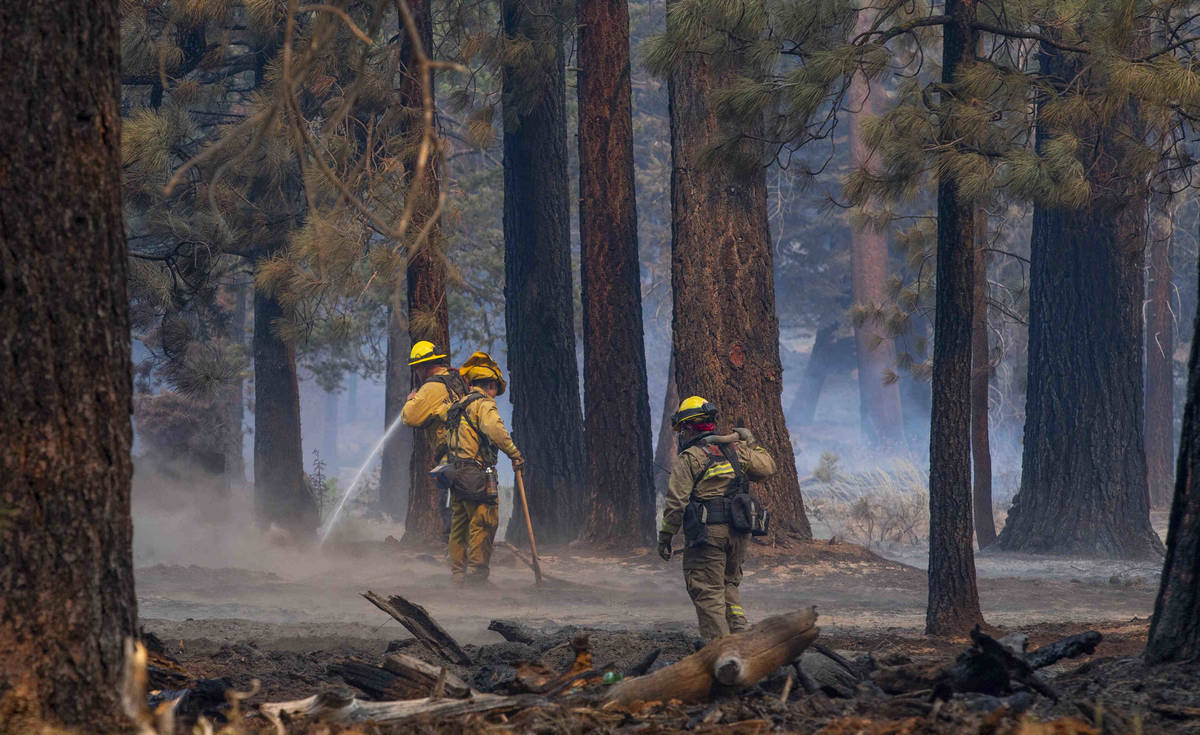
481	366
424	351
691	409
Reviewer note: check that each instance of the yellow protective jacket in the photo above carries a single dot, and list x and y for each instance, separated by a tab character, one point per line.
480	414
427	408
696	476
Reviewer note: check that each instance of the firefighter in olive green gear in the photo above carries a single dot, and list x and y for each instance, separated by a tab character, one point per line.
705	478
438	388
476	434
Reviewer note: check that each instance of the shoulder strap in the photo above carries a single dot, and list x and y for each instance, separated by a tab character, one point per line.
714	456
455	385
729	451
457	412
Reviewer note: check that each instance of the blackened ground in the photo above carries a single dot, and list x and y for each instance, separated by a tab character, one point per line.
285	625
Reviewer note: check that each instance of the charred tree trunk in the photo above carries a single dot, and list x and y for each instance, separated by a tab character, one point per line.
1160	363
725	331
953	598
394	474
235	457
616	400
66	560
1083	481
981	373
667	446
281	494
538	291
1175	626
879	397
428	313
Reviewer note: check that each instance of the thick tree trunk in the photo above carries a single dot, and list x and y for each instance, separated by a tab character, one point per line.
820	362
1083	481
235	458
879	399
616	400
953	598
1160	349
281	494
725	332
538	291
428	314
981	373
394	475
667	446
66	560
329	435
1175	626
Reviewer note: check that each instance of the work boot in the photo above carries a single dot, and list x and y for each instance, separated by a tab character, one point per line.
737	623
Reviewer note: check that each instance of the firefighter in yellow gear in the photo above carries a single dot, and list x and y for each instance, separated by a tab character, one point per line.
705	478
438	387
476	435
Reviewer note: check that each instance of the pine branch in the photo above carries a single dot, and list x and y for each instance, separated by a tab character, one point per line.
1032	36
900	30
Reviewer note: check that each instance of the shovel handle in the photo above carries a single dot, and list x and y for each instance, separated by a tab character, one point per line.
537	567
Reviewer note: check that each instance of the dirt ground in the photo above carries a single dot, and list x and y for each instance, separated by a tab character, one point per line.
286	621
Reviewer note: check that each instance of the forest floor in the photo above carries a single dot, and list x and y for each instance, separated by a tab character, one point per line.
286	617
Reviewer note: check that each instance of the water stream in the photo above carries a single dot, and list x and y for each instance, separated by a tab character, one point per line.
354	485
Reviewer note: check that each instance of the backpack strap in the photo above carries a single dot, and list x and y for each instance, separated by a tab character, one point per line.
458	413
454	383
740	485
716	456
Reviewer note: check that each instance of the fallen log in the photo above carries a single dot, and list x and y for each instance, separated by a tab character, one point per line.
400	677
426	675
729	663
1071	647
514	632
340	708
423	627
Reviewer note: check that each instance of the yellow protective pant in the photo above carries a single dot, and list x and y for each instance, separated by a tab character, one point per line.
472	531
712	572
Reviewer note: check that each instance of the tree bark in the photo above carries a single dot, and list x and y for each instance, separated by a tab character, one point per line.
235	458
725	331
616	400
394	473
1083	482
879	399
1175	626
667	447
66	560
1160	361
428	314
281	494
981	373
538	286
953	606
329	435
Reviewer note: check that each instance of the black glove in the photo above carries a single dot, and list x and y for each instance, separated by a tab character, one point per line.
518	464
664	545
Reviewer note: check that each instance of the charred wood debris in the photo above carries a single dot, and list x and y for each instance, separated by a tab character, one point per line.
773	677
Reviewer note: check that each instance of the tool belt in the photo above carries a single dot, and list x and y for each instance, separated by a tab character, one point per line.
741	512
467	480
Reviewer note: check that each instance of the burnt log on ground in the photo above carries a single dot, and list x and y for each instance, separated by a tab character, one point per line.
726	665
989	667
400	677
423	627
1072	647
343	708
